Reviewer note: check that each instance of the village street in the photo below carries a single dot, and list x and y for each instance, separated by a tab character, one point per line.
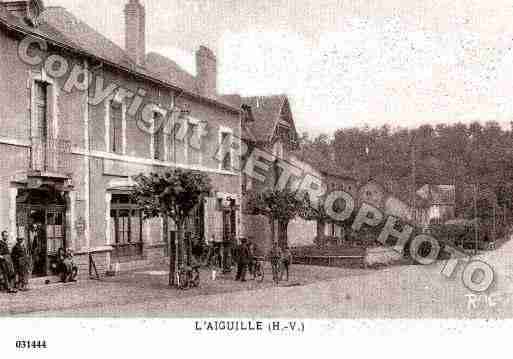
412	291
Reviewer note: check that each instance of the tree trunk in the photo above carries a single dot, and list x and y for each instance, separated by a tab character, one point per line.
172	259
176	253
282	234
321	229
273	232
180	253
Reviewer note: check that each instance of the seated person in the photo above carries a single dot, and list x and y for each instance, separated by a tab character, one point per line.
68	268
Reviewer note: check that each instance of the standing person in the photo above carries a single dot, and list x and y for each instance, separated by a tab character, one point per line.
286	261
251	261
275	257
243	261
21	261
211	251
39	250
6	266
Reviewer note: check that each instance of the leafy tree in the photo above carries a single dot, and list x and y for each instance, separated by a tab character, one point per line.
174	195
279	205
318	214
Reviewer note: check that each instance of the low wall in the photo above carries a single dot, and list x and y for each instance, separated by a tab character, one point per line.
382	256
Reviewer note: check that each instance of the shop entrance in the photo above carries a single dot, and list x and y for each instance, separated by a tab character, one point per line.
41	221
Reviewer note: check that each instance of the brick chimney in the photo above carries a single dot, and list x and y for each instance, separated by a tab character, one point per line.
206	66
135	31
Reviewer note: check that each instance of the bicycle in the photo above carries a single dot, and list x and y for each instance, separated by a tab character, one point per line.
188	277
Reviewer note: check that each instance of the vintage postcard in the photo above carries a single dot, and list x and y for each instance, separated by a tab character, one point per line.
234	166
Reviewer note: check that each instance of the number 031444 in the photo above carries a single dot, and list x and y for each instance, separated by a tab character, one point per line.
31	344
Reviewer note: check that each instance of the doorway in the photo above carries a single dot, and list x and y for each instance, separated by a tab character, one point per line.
41	221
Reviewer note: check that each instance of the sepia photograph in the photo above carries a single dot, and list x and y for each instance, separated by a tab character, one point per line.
300	163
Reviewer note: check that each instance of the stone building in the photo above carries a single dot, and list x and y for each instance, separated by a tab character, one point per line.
75	129
269	126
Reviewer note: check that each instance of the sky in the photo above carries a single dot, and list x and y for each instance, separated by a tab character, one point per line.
342	63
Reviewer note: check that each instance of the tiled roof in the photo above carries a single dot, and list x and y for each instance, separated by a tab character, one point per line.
170	71
84	36
266	111
62	27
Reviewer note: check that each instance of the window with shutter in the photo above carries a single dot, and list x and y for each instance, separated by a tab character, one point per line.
41	109
226	163
116	123
158	137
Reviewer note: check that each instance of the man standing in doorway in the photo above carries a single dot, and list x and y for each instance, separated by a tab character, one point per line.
6	265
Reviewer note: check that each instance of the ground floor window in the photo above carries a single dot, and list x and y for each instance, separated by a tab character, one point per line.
126	226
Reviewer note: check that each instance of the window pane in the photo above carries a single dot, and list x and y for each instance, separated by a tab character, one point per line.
42	125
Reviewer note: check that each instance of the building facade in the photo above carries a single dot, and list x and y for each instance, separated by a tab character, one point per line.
75	130
269	126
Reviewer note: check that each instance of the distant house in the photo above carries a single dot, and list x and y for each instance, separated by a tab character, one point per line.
336	180
340	181
442	202
268	125
394	198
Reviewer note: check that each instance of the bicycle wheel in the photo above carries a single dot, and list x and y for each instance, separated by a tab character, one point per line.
259	272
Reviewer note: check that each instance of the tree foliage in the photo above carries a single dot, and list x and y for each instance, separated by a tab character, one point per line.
280	205
443	154
173	194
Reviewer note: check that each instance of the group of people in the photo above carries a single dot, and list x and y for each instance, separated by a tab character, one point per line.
17	264
247	261
14	265
280	262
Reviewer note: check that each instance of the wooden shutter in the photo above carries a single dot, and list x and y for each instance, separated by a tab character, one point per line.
116	119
